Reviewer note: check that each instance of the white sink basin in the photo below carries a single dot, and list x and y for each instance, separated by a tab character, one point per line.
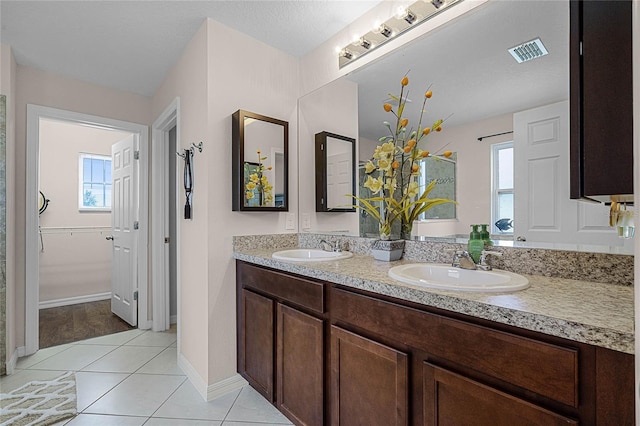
310	255
446	277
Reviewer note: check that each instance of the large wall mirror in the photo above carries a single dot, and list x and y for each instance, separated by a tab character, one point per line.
335	172
475	78
260	162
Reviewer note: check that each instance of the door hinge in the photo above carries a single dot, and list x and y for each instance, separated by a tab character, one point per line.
136	225
136	155
135	295
167	240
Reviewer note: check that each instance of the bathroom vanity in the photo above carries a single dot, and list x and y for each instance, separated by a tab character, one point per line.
329	344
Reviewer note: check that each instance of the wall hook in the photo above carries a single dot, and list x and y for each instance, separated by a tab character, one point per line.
198	147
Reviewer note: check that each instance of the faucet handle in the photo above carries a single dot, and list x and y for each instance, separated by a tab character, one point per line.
482	262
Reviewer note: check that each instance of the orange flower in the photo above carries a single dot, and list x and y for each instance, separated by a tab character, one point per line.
395	164
439	129
428	94
415	168
447	154
426	131
412	143
425	154
407	149
404	122
387	107
405	81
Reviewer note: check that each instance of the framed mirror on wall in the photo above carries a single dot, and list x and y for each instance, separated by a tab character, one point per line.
335	172
260	162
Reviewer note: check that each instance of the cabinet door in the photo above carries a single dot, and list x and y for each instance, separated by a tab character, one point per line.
300	366
256	342
451	399
369	382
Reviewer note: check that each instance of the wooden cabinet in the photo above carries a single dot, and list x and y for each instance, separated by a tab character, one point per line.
601	99
281	348
452	399
326	354
369	382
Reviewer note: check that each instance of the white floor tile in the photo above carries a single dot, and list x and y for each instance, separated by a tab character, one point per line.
137	395
152	338
187	403
41	355
75	358
103	420
153	421
22	377
115	339
165	363
251	424
252	407
125	359
91	386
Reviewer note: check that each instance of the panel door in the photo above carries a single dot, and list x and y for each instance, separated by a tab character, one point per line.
451	399
300	369
256	342
124	272
369	382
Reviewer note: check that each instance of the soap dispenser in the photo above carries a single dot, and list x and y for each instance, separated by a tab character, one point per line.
476	243
484	234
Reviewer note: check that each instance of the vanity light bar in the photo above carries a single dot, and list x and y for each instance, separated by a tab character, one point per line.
527	51
410	17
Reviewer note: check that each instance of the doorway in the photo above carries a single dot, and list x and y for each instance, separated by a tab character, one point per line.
35	115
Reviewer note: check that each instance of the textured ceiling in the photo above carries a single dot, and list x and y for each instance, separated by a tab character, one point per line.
131	45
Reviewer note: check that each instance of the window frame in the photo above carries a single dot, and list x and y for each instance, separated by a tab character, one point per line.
495	191
81	157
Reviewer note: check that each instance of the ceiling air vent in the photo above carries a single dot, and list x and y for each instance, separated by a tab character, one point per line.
527	51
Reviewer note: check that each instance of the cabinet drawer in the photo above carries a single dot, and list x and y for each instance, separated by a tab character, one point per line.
546	369
451	399
301	292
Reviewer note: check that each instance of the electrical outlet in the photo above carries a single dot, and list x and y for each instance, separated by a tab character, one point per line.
306	221
290	222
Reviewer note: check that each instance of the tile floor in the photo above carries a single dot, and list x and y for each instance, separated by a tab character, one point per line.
132	378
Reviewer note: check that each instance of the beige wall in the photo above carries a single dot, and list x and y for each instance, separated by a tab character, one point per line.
8	88
473	172
73	263
38	87
332	108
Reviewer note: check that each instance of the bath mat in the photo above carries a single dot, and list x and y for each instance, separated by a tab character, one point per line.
40	402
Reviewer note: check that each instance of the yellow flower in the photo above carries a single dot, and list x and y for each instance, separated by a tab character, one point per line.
388	148
413	189
390	184
249	195
251	186
264	180
374	184
369	167
384	164
254	178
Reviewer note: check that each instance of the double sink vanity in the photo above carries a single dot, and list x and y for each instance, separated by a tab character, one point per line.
355	341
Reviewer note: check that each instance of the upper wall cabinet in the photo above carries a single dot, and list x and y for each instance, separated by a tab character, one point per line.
601	100
260	162
335	172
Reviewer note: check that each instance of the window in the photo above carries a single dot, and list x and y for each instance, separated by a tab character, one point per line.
94	183
502	188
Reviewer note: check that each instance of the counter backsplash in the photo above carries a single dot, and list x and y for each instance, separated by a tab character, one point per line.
595	267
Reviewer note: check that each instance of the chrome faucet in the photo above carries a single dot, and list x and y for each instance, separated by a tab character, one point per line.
327	246
463	260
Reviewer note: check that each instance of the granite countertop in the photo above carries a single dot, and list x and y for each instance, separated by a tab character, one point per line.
593	313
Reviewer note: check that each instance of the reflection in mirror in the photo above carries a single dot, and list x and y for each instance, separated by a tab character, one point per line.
474	77
260	146
335	183
443	171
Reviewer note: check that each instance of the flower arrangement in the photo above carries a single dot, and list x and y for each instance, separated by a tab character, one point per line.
394	170
258	183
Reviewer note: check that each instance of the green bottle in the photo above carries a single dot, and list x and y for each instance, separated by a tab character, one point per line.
476	243
484	234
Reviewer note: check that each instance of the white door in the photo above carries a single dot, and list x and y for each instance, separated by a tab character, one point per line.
339	180
124	252
543	210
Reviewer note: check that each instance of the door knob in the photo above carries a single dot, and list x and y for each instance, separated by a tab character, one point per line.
110	237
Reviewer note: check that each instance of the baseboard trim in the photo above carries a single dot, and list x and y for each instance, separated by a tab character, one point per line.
13	361
193	376
227	385
173	319
74	300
